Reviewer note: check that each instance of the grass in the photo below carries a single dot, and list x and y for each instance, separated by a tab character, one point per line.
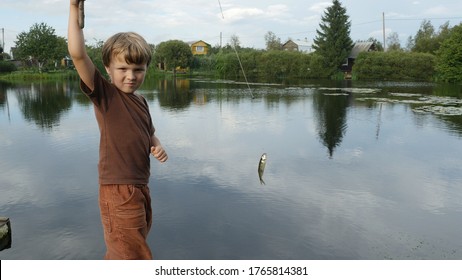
30	75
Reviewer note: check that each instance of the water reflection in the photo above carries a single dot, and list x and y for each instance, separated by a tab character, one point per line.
331	118
44	103
382	190
175	93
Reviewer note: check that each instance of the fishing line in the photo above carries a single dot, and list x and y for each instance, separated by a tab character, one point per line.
262	161
238	58
243	72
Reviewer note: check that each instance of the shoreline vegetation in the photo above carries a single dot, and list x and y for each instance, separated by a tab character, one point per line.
276	65
60	74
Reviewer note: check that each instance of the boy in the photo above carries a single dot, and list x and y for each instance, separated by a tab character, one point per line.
126	137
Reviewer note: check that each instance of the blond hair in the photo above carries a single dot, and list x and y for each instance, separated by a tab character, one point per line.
131	45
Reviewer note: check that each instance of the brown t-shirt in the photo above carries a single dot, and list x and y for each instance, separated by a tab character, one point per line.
125	133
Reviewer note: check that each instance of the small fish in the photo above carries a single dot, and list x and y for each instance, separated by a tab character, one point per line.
261	168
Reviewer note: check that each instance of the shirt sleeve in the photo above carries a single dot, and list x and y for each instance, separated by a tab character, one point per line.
152	129
102	92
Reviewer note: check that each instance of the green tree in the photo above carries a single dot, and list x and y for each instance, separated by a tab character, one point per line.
234	42
427	40
94	51
173	54
394	65
333	41
393	43
449	57
424	39
273	42
40	45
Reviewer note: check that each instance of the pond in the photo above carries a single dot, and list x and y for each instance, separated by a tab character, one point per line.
354	170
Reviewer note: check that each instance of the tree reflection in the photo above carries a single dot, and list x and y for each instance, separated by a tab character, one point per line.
3	95
331	119
44	103
175	93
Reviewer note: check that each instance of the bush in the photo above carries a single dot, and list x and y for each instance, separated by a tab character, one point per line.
449	63
394	65
7	67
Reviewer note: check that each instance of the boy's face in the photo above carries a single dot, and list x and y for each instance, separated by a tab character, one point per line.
126	77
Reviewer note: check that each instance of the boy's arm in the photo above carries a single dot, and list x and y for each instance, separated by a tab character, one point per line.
76	47
157	150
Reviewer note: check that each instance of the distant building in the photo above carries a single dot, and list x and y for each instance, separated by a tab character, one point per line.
66	62
199	47
358	48
298	45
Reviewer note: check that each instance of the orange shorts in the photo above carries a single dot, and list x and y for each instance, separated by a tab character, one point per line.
126	216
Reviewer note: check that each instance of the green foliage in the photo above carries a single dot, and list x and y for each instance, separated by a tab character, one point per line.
395	65
95	54
205	63
393	43
427	40
7	67
227	65
263	65
22	76
333	42
272	42
449	57
173	54
40	45
282	65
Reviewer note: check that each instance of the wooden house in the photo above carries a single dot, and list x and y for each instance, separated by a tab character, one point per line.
297	45
199	47
358	48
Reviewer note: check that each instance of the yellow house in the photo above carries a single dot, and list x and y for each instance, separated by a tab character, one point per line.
199	47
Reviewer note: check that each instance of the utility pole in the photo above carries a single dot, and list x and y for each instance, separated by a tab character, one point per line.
383	19
3	39
221	40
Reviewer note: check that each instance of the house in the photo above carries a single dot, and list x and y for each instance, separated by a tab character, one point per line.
358	48
67	62
199	47
298	45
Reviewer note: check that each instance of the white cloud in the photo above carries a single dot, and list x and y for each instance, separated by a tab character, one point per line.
438	11
188	20
320	7
237	14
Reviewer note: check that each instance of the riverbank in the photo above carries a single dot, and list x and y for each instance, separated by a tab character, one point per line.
28	76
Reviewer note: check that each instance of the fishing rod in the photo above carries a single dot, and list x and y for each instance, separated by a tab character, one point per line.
221	9
81	14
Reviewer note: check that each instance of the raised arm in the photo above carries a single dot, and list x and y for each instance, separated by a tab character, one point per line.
76	47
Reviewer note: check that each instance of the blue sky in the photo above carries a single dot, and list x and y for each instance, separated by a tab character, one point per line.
250	20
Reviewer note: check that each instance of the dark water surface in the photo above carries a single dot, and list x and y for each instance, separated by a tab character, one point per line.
354	171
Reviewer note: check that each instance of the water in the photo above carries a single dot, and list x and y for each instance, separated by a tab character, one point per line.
354	171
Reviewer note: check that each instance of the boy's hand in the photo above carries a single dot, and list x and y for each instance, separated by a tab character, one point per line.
159	153
75	2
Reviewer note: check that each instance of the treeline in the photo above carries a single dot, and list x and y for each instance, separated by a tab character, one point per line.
429	56
257	65
394	65
284	65
437	57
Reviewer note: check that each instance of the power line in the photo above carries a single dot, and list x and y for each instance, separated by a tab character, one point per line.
421	19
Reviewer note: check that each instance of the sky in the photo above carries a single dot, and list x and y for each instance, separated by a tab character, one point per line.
205	20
